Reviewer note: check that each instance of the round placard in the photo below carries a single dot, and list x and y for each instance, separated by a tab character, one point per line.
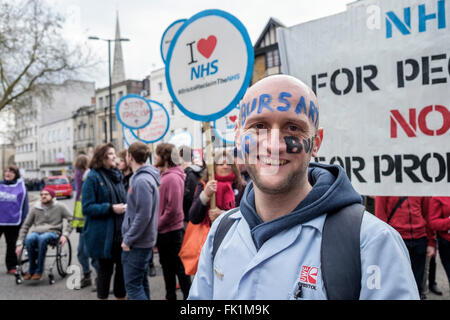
128	136
167	37
224	127
157	128
209	65
133	111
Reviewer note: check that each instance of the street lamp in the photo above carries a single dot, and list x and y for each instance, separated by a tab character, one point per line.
110	85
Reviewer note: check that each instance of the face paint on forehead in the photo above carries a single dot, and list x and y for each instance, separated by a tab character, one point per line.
264	101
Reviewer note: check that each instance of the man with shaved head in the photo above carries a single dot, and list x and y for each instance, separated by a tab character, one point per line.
300	231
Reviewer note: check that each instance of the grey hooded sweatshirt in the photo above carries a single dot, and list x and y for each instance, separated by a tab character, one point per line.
140	224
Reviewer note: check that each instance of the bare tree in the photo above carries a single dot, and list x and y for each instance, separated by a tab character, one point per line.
33	51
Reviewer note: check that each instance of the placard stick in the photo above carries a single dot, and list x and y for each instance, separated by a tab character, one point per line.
151	152
209	160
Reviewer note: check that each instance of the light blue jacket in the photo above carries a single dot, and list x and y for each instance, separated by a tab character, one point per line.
290	255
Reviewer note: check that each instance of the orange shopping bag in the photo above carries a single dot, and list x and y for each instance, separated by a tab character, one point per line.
193	241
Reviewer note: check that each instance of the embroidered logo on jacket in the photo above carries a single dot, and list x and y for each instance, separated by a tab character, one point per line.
309	275
307	280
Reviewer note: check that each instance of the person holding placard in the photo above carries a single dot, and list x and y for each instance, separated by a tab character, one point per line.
227	186
301	231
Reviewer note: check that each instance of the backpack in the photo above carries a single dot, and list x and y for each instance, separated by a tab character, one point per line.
339	254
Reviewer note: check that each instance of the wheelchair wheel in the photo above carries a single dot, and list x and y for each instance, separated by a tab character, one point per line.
23	262
63	257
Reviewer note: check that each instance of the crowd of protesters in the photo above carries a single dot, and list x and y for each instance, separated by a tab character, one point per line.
126	210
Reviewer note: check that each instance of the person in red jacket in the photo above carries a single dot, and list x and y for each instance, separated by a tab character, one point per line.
439	220
171	220
409	216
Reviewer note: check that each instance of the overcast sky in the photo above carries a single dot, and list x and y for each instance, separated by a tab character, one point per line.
144	21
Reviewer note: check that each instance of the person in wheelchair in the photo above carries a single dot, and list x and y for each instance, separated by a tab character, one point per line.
45	223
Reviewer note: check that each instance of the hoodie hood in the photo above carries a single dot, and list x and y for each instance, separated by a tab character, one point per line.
151	171
175	170
331	192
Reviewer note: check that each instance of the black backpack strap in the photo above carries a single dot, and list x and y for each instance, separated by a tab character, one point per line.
340	253
398	205
222	229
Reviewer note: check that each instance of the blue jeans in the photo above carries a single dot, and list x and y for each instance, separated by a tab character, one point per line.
83	257
37	243
135	273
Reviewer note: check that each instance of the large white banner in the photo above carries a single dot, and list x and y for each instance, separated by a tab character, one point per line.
381	71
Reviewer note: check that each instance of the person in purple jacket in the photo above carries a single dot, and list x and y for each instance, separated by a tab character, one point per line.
171	217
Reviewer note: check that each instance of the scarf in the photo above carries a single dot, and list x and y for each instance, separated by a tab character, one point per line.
113	179
225	194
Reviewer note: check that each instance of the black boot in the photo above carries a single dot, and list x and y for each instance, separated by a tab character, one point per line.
151	269
86	280
434	288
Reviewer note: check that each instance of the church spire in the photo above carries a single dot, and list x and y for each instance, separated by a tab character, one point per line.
118	73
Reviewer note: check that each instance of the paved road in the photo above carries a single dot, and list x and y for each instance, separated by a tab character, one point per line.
42	290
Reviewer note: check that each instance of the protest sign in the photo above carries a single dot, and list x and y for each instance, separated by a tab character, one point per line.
167	37
133	111
224	127
381	72
205	77
157	128
128	137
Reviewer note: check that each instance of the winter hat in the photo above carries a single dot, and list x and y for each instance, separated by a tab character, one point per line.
52	193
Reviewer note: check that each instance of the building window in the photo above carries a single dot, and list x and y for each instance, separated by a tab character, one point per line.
272	59
120	94
160	86
100	102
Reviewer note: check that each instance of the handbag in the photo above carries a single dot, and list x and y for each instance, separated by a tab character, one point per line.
192	245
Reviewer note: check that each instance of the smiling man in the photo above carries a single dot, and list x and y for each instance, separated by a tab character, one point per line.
300	231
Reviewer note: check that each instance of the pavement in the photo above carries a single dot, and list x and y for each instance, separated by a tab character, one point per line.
62	289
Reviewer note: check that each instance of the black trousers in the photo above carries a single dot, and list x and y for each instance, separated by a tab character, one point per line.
444	254
432	271
105	272
417	249
169	245
11	235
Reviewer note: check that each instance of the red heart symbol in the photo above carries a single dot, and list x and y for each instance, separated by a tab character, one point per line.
233	118
207	46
